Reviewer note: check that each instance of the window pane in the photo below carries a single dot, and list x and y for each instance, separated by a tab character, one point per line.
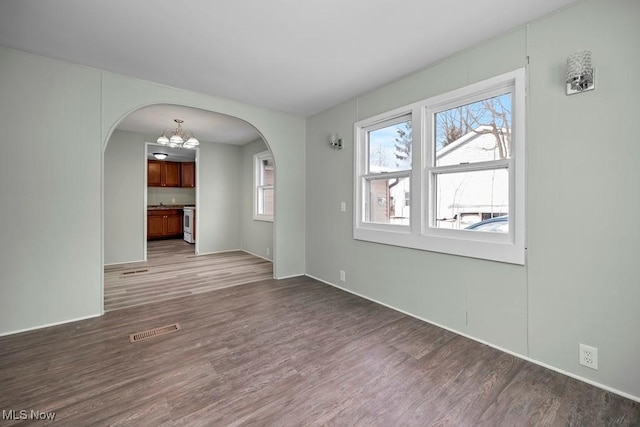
476	132
265	201
388	202
466	198
390	148
267	172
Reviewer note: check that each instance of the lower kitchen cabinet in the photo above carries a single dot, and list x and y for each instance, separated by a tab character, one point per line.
164	223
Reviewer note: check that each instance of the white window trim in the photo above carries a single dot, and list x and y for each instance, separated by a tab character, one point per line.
257	171
388	120
509	248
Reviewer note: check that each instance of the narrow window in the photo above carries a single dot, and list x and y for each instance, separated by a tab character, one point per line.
264	186
387	173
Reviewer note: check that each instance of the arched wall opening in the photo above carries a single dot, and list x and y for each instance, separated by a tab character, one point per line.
224	190
284	133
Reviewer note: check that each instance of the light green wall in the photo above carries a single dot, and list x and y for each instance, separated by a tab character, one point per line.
257	236
55	121
580	283
219	173
124	169
584	239
50	170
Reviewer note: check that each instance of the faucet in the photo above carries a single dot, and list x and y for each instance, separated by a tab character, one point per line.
161	204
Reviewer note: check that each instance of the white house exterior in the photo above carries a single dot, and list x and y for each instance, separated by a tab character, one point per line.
466	198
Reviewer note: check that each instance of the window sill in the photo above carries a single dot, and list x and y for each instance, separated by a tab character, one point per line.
490	247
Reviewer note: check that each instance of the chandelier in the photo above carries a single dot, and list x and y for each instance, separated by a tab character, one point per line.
179	138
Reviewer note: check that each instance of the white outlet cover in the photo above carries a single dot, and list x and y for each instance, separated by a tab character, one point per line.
589	356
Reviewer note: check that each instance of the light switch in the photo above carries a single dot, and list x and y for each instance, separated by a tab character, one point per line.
343	206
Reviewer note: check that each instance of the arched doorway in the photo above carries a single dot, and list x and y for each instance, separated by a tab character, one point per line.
222	196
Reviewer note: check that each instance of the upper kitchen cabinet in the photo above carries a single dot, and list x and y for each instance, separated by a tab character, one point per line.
163	174
171	173
153	174
189	174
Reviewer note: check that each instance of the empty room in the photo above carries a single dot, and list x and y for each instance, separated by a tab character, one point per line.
320	213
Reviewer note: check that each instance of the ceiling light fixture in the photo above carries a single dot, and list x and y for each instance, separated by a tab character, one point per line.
160	156
179	138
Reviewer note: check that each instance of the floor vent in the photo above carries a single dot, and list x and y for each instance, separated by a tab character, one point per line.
134	271
151	333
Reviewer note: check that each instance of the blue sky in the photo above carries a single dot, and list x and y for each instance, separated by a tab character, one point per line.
382	147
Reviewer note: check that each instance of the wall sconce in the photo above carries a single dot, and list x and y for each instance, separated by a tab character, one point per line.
335	141
580	73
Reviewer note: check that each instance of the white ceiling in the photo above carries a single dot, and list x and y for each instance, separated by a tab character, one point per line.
204	125
295	56
173	154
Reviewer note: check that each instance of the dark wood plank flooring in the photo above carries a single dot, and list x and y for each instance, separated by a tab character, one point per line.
172	270
288	353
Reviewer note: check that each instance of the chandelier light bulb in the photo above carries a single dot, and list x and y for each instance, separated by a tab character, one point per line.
179	138
192	142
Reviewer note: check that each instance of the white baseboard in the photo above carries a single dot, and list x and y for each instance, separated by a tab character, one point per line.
125	263
292	276
518	355
220	252
256	255
47	325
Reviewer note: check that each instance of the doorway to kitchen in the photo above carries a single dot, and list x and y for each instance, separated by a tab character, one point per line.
170	196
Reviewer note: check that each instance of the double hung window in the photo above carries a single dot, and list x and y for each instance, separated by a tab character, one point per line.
264	186
446	174
387	177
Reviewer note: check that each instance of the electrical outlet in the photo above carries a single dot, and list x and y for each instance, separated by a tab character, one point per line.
343	206
589	356
343	276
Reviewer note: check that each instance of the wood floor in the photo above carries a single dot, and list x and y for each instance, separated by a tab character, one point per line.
292	352
173	270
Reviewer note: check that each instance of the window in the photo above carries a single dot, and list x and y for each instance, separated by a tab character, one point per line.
264	186
429	175
387	174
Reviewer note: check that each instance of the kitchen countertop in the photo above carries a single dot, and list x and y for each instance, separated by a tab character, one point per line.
164	207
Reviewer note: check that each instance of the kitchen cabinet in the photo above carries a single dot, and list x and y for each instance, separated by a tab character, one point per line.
188	174
153	174
164	223
163	174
